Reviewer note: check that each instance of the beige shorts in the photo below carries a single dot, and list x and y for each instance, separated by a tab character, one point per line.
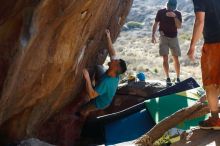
167	43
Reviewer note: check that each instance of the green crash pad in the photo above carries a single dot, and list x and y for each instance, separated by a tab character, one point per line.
165	106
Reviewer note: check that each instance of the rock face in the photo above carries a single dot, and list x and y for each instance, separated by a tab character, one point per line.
44	45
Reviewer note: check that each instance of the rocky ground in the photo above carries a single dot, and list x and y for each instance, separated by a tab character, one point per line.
134	43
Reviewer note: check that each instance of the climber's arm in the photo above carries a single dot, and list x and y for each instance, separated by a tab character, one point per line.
111	50
92	93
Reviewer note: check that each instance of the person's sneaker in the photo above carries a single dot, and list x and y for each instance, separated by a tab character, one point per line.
210	123
168	82
177	80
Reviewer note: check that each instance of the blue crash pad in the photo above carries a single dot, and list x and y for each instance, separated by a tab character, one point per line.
128	128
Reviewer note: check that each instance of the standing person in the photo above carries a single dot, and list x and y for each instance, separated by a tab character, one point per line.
169	20
101	96
207	21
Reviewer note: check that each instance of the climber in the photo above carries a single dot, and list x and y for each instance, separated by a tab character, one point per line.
101	96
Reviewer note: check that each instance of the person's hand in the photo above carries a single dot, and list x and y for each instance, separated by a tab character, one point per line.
191	53
171	14
86	74
107	33
154	39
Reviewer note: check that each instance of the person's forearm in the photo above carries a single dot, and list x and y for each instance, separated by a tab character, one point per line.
178	23
92	93
197	31
111	49
154	29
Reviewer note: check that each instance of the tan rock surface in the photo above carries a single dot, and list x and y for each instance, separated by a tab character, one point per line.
44	45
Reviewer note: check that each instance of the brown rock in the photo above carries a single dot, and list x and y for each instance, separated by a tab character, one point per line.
44	45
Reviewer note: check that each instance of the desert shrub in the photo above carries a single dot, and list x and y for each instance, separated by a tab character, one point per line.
156	70
185	36
134	24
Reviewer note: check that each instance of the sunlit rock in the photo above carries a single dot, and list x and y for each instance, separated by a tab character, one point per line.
44	45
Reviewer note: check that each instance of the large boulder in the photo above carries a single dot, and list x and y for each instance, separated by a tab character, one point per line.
44	46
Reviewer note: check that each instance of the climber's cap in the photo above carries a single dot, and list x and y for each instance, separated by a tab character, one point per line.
172	4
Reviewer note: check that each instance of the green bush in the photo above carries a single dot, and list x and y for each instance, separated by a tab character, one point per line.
134	24
185	36
156	70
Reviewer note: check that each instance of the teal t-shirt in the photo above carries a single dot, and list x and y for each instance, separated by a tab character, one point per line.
106	90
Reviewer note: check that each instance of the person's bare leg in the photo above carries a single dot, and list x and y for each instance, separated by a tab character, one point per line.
177	65
218	92
166	65
218	88
212	93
